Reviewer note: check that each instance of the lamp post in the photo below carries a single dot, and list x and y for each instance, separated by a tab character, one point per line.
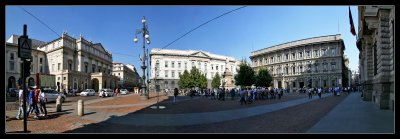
146	40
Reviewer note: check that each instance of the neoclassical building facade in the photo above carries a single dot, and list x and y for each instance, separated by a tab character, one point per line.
377	54
128	77
13	63
79	64
312	62
171	63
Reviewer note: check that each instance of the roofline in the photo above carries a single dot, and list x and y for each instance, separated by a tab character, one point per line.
294	41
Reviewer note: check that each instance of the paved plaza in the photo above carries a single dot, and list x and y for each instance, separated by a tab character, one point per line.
294	113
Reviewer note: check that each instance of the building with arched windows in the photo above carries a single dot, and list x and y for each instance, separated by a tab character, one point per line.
311	62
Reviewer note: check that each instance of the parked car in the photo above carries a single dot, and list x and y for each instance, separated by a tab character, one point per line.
106	93
88	92
52	95
124	91
13	92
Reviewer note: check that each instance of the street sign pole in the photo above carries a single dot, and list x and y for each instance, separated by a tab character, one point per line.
24	52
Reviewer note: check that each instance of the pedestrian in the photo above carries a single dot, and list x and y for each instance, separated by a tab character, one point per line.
232	94
42	102
175	93
243	96
32	104
21	102
309	93
116	91
319	92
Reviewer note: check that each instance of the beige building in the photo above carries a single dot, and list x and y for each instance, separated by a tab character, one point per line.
171	63
79	63
128	77
377	54
312	62
13	63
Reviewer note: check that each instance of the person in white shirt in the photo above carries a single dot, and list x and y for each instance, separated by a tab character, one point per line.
20	97
42	102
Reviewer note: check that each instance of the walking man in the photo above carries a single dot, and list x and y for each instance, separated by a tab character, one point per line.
175	93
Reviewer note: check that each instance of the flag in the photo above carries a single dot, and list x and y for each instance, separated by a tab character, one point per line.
352	29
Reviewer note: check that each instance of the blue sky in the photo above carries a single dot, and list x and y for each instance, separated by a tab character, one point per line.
235	34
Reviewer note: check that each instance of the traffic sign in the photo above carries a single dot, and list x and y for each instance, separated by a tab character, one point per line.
24	47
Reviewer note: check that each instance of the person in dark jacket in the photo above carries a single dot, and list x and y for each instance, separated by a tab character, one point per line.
176	91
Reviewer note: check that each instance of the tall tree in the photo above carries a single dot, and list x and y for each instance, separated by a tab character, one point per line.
184	80
263	78
216	81
195	76
203	81
245	76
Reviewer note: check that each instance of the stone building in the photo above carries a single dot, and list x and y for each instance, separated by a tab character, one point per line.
13	63
128	77
79	63
172	63
312	62
376	59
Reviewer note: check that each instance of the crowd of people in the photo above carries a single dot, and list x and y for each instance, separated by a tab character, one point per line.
35	97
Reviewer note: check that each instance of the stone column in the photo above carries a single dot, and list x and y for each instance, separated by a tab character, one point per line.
382	79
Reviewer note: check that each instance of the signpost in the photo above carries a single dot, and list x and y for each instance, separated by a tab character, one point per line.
24	52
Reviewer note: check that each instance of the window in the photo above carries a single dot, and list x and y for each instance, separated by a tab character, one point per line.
59	66
41	60
93	68
293	56
158	64
279	59
286	70
172	64
166	73
212	66
333	82
293	70
179	73
333	66
308	53
315	53
65	78
287	56
301	69
11	56
166	64
325	66
11	65
58	78
316	67
216	67
119	74
272	59
323	52
212	74
185	65
222	67
300	54
179	64
333	51
69	66
294	84
172	74
86	68
199	64
52	67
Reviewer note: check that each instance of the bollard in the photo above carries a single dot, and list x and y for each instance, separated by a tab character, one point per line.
80	108
58	104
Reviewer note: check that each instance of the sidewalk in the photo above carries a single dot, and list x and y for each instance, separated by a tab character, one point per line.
355	116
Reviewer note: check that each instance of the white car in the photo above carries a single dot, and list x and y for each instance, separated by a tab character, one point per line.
124	91
106	93
88	92
52	95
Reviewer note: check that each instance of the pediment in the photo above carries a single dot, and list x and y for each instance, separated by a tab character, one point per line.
199	54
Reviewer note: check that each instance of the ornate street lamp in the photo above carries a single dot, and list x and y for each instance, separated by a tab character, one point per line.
146	40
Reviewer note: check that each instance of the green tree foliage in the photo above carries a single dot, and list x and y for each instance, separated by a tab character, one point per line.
245	76
184	80
203	81
216	81
263	78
